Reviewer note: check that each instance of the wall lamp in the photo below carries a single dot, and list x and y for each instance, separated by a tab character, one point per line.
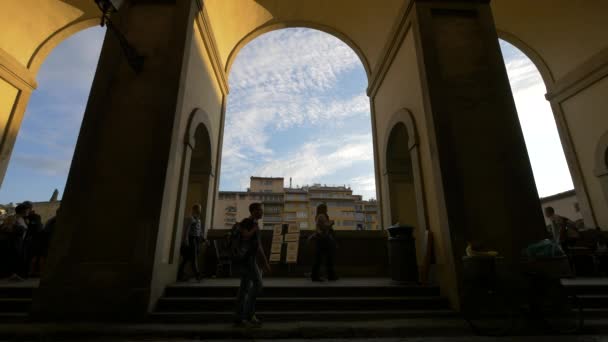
108	7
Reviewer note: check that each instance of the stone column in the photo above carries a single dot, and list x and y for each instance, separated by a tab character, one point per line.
102	254
479	155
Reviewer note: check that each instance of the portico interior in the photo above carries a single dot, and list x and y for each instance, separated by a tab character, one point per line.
440	102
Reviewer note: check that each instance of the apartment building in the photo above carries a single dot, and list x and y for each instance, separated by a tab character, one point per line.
297	206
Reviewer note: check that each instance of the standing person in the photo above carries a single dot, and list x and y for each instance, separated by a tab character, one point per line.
191	242
326	244
17	231
251	276
563	230
32	244
45	239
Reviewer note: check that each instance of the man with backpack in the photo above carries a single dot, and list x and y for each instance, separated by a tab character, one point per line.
246	246
562	229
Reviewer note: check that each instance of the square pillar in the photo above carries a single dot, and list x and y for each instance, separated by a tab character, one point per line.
101	259
479	155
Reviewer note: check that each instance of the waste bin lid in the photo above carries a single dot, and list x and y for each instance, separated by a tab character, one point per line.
400	230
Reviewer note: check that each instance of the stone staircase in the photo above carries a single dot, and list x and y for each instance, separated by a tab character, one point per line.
287	300
16	301
592	294
300	300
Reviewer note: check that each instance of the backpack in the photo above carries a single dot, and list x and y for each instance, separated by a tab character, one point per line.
233	244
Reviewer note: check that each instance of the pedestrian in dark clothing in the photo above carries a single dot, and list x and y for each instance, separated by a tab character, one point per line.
251	276
45	240
16	228
563	230
191	243
33	243
325	244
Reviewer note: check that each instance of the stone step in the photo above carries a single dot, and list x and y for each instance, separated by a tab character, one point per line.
9	305
294	316
13	317
369	328
588	289
303	303
16	292
593	300
593	313
304	291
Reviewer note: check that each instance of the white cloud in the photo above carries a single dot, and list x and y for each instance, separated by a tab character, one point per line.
292	60
365	185
549	165
290	80
318	159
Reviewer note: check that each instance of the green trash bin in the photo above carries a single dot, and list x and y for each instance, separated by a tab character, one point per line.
402	254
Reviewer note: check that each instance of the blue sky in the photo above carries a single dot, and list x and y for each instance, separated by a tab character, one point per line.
297	103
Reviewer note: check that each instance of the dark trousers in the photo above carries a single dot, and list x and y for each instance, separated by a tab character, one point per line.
249	289
326	250
190	255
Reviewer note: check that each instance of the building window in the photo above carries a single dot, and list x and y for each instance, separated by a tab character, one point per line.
302	214
303	225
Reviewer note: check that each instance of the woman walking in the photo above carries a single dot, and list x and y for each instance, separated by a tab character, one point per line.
326	244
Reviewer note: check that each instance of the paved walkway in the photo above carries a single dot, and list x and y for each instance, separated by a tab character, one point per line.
382	331
296	282
300	282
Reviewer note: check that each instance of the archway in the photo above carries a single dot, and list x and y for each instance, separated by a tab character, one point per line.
18	83
198	166
403	177
200	171
44	141
274	25
549	149
298	132
298	100
400	177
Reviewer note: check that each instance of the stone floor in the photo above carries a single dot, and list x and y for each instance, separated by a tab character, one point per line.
547	338
455	330
412	330
297	282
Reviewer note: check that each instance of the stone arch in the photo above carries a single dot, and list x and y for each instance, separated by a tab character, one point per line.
277	25
401	146
567	145
19	106
196	176
535	57
601	163
56	38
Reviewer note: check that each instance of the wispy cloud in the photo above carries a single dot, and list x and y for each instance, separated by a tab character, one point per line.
292	60
320	158
522	73
45	165
295	82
